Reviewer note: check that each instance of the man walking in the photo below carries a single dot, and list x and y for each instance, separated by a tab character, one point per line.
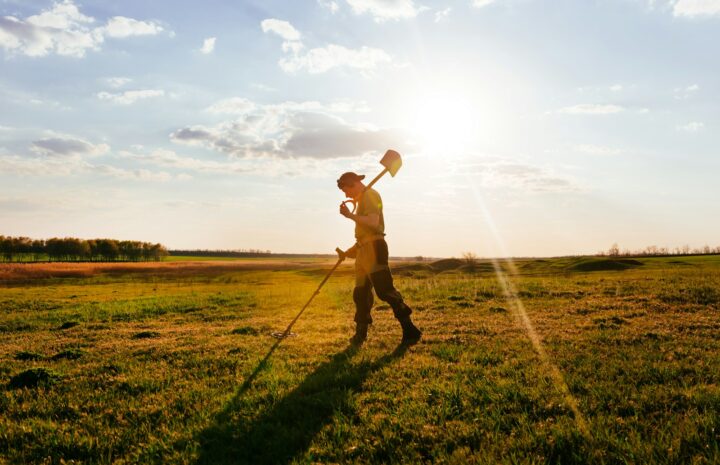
371	260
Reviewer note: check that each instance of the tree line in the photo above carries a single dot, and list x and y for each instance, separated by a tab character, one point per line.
654	251
243	253
71	249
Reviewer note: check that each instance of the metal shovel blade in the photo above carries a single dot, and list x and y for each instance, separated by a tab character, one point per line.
392	161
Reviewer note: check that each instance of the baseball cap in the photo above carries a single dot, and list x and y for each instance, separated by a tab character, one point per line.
349	178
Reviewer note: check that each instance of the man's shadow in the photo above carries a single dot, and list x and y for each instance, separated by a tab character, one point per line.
286	429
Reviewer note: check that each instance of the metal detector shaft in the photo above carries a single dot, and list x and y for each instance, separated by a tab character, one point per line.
341	258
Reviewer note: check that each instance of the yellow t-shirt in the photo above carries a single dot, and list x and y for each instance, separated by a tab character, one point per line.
370	202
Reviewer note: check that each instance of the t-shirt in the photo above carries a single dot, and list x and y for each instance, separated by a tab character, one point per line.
370	202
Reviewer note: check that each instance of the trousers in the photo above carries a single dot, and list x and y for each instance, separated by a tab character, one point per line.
372	271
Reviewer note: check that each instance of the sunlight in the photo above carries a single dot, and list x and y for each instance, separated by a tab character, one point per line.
443	124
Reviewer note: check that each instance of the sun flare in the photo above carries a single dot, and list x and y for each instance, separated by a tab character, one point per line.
444	124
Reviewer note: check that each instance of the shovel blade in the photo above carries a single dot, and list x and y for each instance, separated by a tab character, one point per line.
392	161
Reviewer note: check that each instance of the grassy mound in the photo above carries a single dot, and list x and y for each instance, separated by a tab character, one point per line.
604	264
447	264
33	378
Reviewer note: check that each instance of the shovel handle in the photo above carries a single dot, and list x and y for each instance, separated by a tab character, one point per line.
376	179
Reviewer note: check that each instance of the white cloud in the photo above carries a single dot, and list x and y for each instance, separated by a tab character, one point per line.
208	45
117	82
597	150
64	30
442	14
591	109
616	87
120	27
170	159
288	130
383	10
482	3
693	126
130	96
496	172
686	92
692	8
282	28
330	5
235	105
321	59
73	166
263	87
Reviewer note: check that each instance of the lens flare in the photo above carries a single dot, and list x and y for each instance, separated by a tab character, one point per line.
518	309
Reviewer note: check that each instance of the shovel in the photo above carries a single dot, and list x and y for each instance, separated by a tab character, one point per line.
392	163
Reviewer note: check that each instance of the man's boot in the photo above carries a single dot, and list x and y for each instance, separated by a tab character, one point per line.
360	334
411	334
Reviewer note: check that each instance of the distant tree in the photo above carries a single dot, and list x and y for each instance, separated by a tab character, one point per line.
6	248
470	258
614	250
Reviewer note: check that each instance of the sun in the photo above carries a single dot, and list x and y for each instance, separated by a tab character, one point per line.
444	124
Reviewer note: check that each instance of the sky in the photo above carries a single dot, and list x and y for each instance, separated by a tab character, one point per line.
527	127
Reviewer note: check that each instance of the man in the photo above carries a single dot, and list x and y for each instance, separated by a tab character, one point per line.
371	260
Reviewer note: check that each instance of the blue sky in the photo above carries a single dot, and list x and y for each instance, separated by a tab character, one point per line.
527	127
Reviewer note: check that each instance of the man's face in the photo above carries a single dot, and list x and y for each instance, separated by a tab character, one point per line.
352	190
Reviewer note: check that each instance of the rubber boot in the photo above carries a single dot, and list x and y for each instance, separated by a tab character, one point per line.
360	334
411	334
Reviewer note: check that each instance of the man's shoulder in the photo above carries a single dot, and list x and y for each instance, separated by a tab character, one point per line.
371	193
371	200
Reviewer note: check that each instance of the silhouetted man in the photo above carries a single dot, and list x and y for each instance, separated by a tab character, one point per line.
371	260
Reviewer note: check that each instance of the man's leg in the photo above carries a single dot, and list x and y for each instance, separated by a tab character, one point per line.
363	298
382	281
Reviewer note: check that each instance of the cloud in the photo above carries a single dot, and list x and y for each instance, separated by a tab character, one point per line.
72	166
482	3
117	82
616	87
693	126
591	109
597	150
68	147
686	92
330	5
692	8
383	10
442	14
208	45
170	159
130	96
321	59
235	105
64	30
497	172
120	27
287	130
282	28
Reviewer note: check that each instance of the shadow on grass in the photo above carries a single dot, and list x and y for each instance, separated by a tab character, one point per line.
287	428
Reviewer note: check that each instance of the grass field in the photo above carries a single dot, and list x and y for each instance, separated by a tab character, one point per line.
574	360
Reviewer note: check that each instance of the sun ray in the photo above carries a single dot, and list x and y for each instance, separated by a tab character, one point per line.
518	309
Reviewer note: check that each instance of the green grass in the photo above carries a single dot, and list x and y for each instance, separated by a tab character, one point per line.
177	368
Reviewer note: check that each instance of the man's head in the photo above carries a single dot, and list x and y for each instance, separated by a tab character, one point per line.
351	184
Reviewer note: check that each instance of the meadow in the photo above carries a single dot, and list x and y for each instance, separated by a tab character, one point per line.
569	360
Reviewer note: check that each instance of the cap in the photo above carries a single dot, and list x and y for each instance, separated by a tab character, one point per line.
349	178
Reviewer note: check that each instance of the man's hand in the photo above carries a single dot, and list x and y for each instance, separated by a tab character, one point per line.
345	211
351	252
